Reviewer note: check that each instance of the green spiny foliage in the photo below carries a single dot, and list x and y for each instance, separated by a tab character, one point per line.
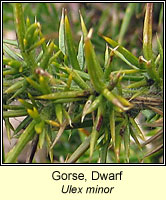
63	90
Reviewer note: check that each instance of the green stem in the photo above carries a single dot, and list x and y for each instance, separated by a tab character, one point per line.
20	30
25	137
147	32
126	19
61	95
80	151
14	113
20	24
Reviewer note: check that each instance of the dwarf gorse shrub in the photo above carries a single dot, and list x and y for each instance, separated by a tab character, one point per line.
63	91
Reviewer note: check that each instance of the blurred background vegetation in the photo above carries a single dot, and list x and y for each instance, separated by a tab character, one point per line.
106	19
